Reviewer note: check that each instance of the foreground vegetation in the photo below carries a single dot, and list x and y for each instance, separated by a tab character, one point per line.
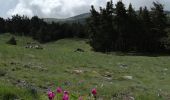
27	73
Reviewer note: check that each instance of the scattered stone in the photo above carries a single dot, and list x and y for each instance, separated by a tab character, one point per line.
38	47
123	66
165	69
33	46
131	98
108	78
128	77
21	83
102	85
108	74
78	71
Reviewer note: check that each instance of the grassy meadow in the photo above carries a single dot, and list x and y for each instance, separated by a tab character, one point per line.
27	73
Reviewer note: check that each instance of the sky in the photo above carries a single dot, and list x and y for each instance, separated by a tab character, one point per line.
62	8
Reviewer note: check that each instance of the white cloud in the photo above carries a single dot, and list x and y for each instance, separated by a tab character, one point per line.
63	8
53	8
21	9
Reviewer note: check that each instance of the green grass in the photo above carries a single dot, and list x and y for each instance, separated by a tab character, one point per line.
55	64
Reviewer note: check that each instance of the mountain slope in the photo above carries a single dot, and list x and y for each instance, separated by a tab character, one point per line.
75	19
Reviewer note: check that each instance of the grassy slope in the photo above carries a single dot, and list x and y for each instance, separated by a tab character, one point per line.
57	61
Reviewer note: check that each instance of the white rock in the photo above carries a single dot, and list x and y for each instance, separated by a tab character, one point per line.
165	69
128	77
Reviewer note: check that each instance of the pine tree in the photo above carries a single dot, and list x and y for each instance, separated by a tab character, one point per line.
2	25
121	23
159	20
133	28
94	30
145	40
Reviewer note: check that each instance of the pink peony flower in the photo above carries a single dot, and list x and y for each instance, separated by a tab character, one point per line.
51	95
59	90
94	92
66	95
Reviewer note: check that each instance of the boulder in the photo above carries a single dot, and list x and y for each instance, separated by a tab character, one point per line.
128	77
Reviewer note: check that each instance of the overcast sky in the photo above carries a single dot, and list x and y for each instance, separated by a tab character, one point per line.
61	8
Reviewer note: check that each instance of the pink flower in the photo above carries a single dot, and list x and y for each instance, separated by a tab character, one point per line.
66	95
51	95
59	90
94	92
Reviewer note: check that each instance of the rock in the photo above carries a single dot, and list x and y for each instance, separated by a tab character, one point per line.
21	83
131	98
128	77
123	65
102	85
78	71
165	69
108	74
33	45
108	78
38	47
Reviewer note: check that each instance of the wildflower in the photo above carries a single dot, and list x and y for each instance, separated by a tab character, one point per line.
66	95
94	92
51	95
59	90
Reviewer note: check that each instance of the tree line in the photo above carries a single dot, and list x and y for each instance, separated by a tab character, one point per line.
40	30
113	28
120	29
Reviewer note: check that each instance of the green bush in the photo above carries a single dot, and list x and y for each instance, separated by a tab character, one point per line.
12	41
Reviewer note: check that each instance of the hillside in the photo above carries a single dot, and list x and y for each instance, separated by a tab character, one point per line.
27	73
79	18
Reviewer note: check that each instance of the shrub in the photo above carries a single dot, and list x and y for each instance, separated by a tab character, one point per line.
12	41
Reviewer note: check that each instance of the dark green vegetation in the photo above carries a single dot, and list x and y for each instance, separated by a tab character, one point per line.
12	41
24	71
41	31
120	29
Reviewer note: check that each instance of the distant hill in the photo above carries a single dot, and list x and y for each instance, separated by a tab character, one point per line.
79	18
75	19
